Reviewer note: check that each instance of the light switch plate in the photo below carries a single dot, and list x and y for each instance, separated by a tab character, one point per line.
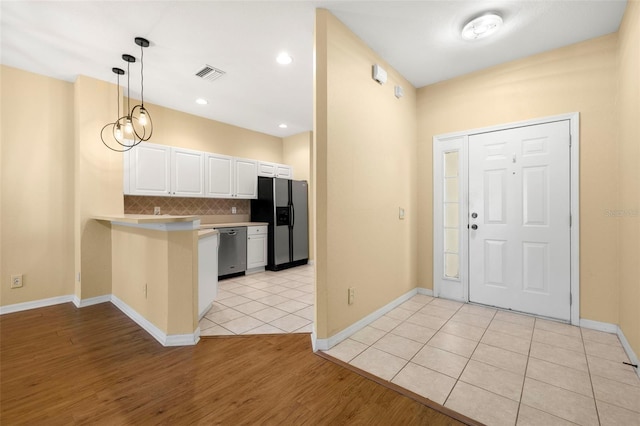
401	213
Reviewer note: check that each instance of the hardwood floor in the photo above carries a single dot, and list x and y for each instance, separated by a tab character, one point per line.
62	365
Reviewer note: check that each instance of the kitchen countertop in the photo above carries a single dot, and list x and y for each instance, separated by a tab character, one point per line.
146	218
207	232
230	225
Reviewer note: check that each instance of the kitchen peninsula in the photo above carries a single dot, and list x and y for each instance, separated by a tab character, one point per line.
154	263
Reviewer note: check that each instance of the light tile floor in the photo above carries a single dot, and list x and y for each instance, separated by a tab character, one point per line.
498	367
263	303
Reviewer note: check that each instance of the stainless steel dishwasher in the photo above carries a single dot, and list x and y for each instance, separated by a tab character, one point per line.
232	255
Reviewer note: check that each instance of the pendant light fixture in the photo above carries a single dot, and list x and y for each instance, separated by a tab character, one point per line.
136	125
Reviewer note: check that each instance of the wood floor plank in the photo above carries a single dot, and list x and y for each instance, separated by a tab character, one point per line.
62	365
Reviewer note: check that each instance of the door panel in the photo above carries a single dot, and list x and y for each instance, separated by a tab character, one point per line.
281	232
299	198
519	187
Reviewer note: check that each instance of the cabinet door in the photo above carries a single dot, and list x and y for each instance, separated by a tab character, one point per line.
256	251
246	178
266	169
187	173
283	171
219	176
150	170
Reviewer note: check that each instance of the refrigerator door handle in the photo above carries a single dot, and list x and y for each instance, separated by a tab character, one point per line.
292	216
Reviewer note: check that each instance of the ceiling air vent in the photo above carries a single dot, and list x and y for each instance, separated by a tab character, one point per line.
209	73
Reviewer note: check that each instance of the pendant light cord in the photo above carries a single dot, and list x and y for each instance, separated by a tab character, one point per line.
128	90
118	96
142	75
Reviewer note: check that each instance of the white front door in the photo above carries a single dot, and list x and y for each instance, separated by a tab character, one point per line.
519	217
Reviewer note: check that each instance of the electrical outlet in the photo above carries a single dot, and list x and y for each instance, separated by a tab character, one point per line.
156	210
234	210
16	281
352	295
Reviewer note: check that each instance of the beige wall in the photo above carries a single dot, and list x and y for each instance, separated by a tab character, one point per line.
36	213
629	184
365	151
296	152
166	262
175	128
582	78
98	186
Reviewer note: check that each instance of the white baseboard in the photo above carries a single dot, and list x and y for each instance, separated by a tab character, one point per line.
628	349
599	326
17	307
615	329
155	332
425	291
254	270
326	344
83	303
159	335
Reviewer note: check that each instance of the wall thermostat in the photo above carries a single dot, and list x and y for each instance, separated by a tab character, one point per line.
398	91
379	74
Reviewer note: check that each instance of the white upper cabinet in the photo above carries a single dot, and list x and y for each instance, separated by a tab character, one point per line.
268	169
229	177
220	176
246	178
148	170
161	170
283	171
187	173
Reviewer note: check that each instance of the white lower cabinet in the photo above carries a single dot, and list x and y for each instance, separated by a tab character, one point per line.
207	272
256	248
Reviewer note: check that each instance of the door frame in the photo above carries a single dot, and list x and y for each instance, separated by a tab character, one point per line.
458	289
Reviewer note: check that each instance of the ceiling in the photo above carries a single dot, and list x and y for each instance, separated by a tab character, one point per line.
420	39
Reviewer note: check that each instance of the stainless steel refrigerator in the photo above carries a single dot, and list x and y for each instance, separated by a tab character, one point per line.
283	203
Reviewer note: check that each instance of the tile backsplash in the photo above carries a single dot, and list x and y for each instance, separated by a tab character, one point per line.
134	204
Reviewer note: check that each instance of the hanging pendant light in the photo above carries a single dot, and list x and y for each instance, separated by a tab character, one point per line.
113	130
136	125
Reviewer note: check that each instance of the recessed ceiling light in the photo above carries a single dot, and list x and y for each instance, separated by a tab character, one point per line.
282	126
201	101
284	58
482	26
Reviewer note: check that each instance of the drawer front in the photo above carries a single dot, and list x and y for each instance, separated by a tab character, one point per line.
256	230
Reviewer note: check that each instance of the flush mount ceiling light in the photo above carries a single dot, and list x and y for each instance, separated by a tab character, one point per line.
201	101
482	26
282	126
284	58
136	125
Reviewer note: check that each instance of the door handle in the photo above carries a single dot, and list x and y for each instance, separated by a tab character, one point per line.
474	226
474	215
293	215
232	233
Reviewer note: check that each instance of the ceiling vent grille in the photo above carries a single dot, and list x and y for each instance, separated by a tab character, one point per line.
209	73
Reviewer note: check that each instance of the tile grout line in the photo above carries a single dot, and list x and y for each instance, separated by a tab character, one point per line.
593	391
526	367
